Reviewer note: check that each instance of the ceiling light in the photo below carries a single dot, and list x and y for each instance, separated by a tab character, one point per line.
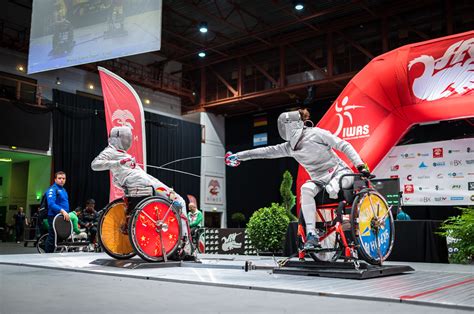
299	5
13	147
202	54
20	68
203	27
147	101
58	81
5	160
91	86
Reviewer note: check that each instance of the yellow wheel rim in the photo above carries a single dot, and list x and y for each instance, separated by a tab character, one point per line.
111	235
373	213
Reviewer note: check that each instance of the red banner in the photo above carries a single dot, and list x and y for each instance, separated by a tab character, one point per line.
422	82
123	108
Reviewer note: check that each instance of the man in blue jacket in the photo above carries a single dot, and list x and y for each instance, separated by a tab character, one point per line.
58	203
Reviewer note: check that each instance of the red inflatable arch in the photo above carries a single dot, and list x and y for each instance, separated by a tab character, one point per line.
422	82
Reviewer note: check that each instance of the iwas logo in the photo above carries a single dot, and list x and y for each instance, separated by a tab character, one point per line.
446	76
353	131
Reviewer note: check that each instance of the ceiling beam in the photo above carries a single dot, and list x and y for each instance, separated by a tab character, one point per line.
268	92
279	27
304	34
226	22
229	87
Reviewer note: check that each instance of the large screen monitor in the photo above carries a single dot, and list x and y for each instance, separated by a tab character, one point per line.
390	190
65	33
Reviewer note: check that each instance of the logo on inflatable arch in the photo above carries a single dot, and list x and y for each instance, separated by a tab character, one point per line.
353	131
446	76
124	118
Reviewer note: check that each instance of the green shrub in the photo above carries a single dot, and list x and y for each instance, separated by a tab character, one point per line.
238	218
267	228
461	229
287	197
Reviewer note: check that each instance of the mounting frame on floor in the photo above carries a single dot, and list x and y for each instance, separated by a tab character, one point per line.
340	269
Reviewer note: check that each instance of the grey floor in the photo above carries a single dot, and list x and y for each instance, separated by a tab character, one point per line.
36	290
26	289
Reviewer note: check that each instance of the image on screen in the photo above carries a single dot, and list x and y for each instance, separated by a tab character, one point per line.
390	190
65	33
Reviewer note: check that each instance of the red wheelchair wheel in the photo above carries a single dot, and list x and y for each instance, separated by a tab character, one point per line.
155	229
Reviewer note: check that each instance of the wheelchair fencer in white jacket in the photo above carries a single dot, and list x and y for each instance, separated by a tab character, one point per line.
127	175
312	147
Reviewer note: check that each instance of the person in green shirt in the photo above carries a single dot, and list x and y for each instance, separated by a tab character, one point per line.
77	234
194	216
195	220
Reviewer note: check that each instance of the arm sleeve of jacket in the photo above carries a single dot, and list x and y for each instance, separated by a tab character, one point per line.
75	226
104	161
51	198
269	152
337	143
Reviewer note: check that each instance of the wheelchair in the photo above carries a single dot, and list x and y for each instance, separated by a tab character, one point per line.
149	226
63	238
358	224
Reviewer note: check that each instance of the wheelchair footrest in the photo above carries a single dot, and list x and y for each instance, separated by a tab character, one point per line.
345	270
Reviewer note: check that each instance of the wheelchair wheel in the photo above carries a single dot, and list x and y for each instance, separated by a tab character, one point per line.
112	231
372	227
41	243
155	223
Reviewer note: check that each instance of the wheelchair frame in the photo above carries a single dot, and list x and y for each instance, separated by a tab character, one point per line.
351	245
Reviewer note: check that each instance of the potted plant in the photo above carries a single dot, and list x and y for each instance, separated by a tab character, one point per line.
267	228
287	196
238	218
460	229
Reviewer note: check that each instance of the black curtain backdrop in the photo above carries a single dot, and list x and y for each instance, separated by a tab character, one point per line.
79	135
256	183
167	140
24	126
